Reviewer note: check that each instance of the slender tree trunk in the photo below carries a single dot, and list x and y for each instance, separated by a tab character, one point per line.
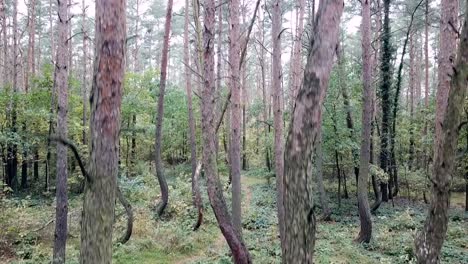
5	76
365	233
209	123
129	211
106	98
323	195
276	92
430	240
347	107
159	121
234	62
385	85
84	77
299	241
196	195
297	52
12	148
61	82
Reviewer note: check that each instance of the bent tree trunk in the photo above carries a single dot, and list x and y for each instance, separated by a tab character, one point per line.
162	87
430	240
106	98
365	232
128	210
298	246
237	246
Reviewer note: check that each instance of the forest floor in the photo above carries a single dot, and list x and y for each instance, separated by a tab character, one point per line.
26	227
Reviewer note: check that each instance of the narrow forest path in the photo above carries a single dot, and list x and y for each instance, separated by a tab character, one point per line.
220	242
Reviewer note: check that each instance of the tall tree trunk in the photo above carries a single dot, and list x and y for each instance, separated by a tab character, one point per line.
430	240
297	52
196	195
385	85
264	91
299	241
209	123
323	195
61	82
159	121
12	148
448	44
276	93
365	233
347	107
235	84
84	92
5	77
106	98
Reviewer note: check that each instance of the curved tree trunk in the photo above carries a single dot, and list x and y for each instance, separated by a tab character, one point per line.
61	82
159	120
128	210
106	98
299	241
365	233
209	123
430	240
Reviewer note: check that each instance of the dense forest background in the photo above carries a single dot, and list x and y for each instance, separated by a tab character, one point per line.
210	108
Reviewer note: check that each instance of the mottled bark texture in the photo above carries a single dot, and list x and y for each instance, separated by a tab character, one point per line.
61	82
299	241
430	240
106	97
235	87
446	59
365	233
276	93
215	194
196	195
159	119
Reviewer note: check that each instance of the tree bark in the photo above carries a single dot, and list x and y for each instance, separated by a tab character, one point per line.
12	148
235	84
237	246
106	98
385	86
276	93
129	211
159	121
61	82
447	53
297	53
365	233
430	240
85	67
196	195
302	137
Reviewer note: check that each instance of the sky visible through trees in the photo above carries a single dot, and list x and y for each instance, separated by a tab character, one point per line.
238	131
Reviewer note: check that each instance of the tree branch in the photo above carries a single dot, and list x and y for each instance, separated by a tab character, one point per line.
73	148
